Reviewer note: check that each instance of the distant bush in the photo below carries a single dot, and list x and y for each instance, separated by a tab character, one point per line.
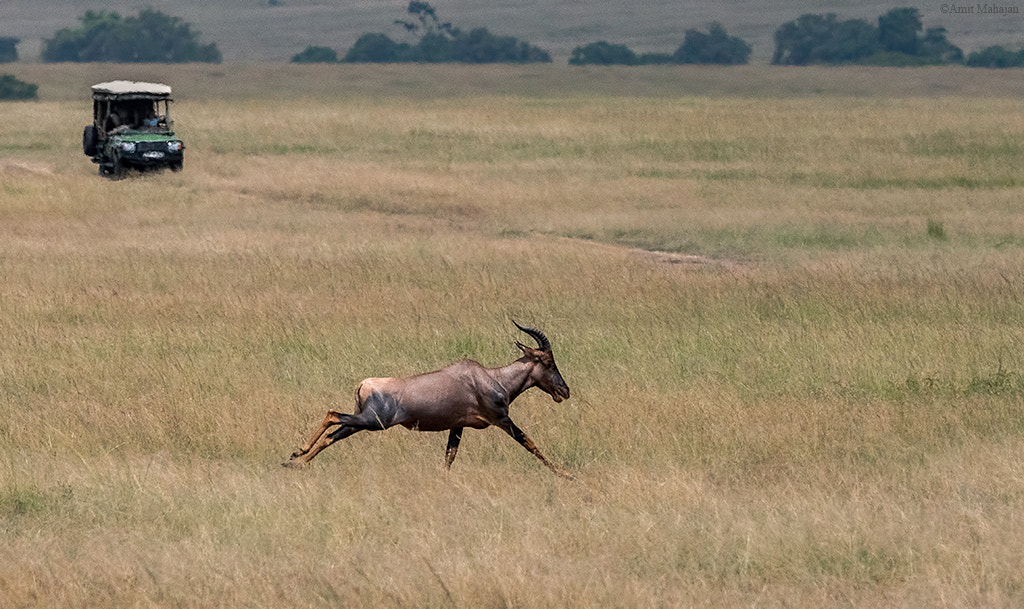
811	39
996	57
895	41
12	88
894	59
655	59
897	31
151	36
715	47
8	49
603	53
938	49
314	54
481	46
378	48
439	42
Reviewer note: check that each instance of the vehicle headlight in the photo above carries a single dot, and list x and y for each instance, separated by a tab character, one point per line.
173	146
128	146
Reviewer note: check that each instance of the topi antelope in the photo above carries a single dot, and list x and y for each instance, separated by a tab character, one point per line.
462	395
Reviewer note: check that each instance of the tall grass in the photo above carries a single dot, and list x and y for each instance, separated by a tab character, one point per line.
786	389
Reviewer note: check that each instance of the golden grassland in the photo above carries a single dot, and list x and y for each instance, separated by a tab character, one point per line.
282	81
792	327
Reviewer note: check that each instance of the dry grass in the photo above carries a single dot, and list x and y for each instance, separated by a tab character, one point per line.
197	82
792	329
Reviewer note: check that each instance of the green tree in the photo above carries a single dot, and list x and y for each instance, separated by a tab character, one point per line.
377	48
315	54
851	41
151	36
440	42
481	46
604	54
84	43
8	49
715	47
799	42
165	39
426	22
996	57
12	88
938	48
812	39
897	31
653	59
895	41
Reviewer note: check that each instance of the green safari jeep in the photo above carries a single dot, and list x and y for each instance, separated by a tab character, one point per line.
131	128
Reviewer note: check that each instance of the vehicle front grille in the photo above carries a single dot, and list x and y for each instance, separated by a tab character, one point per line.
149	146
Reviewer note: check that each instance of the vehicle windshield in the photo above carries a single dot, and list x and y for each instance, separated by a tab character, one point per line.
136	115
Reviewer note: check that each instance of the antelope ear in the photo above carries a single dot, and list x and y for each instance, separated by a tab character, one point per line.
530	351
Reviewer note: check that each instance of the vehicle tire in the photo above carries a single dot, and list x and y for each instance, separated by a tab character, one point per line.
89	141
114	171
176	167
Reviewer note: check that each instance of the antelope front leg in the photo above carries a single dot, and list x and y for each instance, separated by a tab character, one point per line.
454	437
333	418
338	434
520	436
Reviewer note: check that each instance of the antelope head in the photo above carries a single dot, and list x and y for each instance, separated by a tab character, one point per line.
545	373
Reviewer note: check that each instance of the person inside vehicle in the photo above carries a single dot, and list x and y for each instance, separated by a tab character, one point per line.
113	121
151	120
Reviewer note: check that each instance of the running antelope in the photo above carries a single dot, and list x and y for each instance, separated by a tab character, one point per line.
462	395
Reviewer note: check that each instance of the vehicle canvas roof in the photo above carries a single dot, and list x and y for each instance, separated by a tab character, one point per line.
128	87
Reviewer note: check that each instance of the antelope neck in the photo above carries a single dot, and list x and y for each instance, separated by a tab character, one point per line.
514	378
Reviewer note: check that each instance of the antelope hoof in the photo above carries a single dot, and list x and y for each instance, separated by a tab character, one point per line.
292	463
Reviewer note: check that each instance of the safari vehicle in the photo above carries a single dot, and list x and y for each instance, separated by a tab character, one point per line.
131	128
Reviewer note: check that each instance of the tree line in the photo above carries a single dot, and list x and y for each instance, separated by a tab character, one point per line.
436	41
433	41
713	47
896	38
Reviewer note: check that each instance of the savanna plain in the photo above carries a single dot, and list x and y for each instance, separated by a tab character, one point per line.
792	325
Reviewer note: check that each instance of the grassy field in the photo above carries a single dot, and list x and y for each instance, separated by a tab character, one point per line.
792	326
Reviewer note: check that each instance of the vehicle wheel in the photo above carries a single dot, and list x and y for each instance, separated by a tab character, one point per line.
89	140
114	171
176	166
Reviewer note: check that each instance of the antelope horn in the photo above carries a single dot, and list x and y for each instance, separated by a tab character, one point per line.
542	341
